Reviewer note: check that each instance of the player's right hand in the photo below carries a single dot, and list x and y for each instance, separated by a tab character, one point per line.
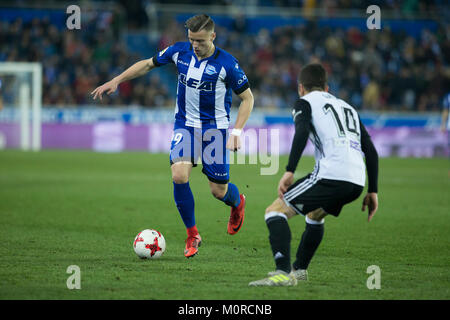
285	182
109	87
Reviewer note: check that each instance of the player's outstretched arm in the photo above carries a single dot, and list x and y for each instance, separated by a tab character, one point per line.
371	202
245	108
136	70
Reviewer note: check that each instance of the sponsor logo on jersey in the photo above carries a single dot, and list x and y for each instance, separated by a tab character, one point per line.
355	145
196	84
183	63
242	79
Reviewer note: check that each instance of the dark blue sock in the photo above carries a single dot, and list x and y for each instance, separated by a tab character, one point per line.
232	197
185	203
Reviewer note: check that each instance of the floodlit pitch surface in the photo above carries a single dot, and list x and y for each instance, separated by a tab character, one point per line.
61	208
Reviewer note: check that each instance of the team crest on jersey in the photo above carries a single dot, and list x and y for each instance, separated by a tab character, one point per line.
210	70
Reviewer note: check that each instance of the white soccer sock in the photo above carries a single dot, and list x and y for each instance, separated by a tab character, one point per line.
275	214
311	221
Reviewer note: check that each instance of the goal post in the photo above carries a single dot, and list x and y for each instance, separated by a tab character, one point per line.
26	94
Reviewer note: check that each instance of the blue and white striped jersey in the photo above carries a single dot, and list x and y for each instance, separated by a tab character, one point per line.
204	87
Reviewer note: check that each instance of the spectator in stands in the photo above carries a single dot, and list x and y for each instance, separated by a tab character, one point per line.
374	70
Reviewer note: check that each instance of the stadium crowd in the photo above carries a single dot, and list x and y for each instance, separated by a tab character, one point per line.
373	70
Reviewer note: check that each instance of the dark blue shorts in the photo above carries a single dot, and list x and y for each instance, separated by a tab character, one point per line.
192	144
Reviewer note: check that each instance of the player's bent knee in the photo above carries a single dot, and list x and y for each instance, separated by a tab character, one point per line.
273	207
218	194
179	178
180	174
316	217
218	190
279	206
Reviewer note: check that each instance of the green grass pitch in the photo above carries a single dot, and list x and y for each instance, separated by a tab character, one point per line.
62	208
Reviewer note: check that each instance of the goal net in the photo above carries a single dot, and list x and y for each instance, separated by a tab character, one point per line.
20	105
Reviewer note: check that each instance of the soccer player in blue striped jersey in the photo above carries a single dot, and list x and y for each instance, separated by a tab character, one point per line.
207	76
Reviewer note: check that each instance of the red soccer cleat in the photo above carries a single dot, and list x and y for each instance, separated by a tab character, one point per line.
237	217
192	244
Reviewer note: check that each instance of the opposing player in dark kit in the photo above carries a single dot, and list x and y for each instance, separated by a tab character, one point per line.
338	178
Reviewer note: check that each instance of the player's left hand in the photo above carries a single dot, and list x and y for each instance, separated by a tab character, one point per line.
234	143
370	201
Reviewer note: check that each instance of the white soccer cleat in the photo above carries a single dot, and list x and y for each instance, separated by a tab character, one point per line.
300	274
278	279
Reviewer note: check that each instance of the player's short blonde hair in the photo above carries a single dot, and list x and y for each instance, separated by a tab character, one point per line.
200	22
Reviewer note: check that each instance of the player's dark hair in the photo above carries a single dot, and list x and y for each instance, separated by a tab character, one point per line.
312	76
200	22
